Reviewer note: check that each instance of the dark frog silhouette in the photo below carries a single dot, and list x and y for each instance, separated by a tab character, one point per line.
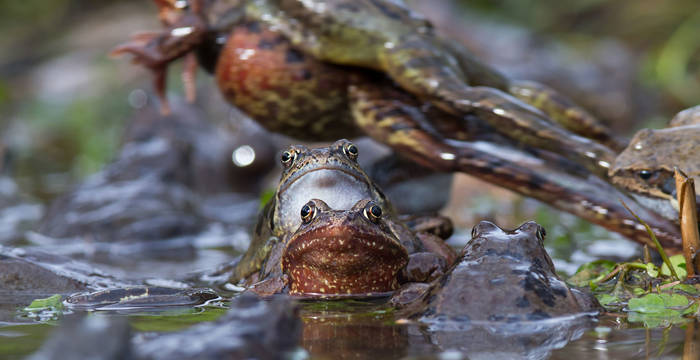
501	276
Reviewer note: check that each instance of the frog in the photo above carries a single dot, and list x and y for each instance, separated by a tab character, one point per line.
387	37
309	69
646	166
332	177
500	277
337	252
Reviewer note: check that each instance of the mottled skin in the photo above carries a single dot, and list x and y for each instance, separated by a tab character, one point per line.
647	165
501	276
313	69
387	37
332	176
337	252
255	70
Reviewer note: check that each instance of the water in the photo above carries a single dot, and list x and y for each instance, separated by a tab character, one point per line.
367	329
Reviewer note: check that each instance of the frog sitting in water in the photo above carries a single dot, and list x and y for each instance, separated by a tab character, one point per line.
333	178
647	165
343	251
501	276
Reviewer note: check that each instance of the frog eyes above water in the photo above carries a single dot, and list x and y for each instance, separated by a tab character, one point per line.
373	213
308	212
351	151
288	158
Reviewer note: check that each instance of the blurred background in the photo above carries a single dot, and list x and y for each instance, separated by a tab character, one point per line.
65	104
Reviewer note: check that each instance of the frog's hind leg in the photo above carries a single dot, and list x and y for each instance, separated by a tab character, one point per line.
426	69
563	111
555	105
398	124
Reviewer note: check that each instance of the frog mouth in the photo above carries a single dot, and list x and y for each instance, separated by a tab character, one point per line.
335	260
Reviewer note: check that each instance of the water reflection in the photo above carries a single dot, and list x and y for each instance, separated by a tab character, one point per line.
350	330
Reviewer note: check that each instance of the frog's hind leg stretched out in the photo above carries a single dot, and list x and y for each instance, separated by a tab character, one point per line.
397	123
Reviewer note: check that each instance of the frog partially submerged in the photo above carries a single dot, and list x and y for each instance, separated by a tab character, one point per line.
332	177
343	251
317	69
647	165
501	277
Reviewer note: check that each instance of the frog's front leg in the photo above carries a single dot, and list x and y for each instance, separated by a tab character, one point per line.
438	225
398	124
420	66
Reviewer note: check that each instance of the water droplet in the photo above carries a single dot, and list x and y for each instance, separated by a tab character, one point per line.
181	31
243	156
138	98
447	156
499	111
244	54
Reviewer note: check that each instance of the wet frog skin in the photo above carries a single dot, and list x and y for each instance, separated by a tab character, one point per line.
338	252
389	38
502	276
332	176
389	76
646	166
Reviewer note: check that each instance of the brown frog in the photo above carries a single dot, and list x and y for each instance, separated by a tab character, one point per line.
501	276
332	176
317	69
343	251
647	165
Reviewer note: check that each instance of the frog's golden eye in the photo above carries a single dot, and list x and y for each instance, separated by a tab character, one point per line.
351	151
308	212
373	213
288	157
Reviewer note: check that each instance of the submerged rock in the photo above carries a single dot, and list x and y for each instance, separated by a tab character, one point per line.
40	273
135	298
99	338
252	328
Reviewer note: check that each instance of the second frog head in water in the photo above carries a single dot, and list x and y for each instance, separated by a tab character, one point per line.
341	191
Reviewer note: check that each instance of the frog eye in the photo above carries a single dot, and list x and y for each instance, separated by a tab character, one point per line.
373	213
644	174
351	151
308	212
288	157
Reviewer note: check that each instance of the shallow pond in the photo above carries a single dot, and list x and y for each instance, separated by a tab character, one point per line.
356	329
